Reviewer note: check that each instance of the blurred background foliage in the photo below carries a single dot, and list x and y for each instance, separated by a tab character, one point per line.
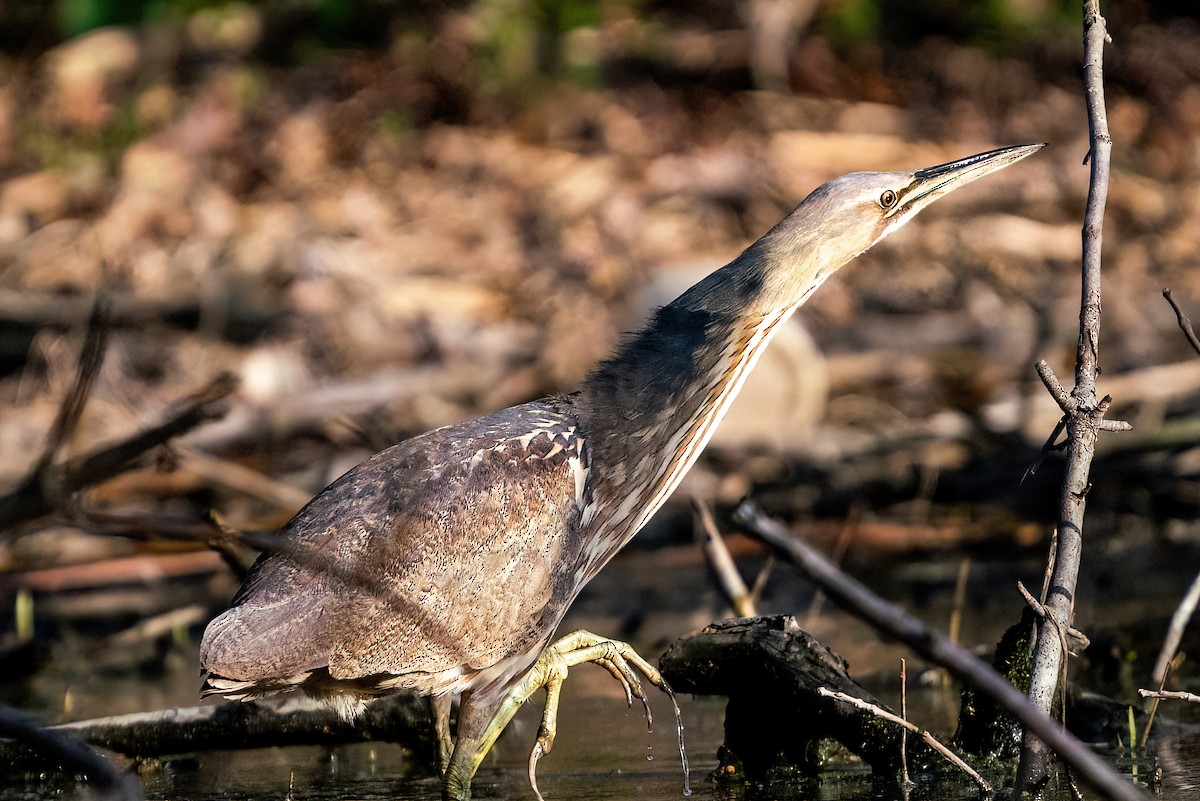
480	61
520	40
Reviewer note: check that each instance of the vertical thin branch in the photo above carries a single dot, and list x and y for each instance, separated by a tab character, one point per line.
1152	711
904	780
1084	412
960	599
740	598
1179	621
1185	324
91	357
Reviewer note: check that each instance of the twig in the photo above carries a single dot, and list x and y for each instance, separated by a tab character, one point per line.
1042	613
760	581
240	478
722	564
1056	389
1049	569
1105	424
1185	324
895	622
1049	446
149	527
107	572
153	627
1179	620
91	357
44	481
1172	695
904	780
960	599
845	537
932	741
57	748
1154	704
1073	635
30	500
1084	414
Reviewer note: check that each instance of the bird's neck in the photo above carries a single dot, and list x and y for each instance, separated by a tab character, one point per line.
650	409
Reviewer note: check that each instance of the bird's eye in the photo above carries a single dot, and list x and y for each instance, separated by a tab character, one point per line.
887	199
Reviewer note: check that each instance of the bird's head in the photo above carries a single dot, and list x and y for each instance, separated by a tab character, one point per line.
846	216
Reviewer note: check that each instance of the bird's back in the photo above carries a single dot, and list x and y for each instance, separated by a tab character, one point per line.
439	562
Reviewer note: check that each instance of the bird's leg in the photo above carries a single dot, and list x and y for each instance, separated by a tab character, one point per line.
617	657
481	719
482	715
439	709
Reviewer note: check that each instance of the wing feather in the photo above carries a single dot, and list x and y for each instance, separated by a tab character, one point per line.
433	561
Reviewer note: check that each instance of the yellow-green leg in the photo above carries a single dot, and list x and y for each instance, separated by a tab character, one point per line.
617	657
477	731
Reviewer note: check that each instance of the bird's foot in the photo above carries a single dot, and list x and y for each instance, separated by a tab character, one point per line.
480	722
617	657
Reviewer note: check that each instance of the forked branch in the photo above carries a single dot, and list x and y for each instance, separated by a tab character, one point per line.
1083	414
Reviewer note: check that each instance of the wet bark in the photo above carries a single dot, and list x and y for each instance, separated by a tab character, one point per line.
771	671
400	719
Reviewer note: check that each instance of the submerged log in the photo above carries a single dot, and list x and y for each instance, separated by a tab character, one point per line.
985	727
772	672
399	719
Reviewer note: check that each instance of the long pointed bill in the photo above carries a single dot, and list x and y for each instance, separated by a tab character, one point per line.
933	182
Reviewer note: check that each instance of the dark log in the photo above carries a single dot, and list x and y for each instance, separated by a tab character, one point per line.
771	671
402	719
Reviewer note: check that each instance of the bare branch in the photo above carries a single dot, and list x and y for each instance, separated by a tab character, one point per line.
91	357
933	742
58	748
1152	713
400	718
1060	395
1185	324
1171	695
1179	620
722	564
895	622
240	478
1048	447
31	499
1084	417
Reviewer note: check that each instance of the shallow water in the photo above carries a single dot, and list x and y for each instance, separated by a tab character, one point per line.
602	747
601	753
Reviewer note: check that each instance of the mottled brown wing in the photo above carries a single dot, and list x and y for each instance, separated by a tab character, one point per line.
435	560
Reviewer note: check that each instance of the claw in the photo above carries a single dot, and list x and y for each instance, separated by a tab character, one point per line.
628	682
618	658
534	755
439	707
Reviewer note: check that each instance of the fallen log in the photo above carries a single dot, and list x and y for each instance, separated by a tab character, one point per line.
773	674
402	719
